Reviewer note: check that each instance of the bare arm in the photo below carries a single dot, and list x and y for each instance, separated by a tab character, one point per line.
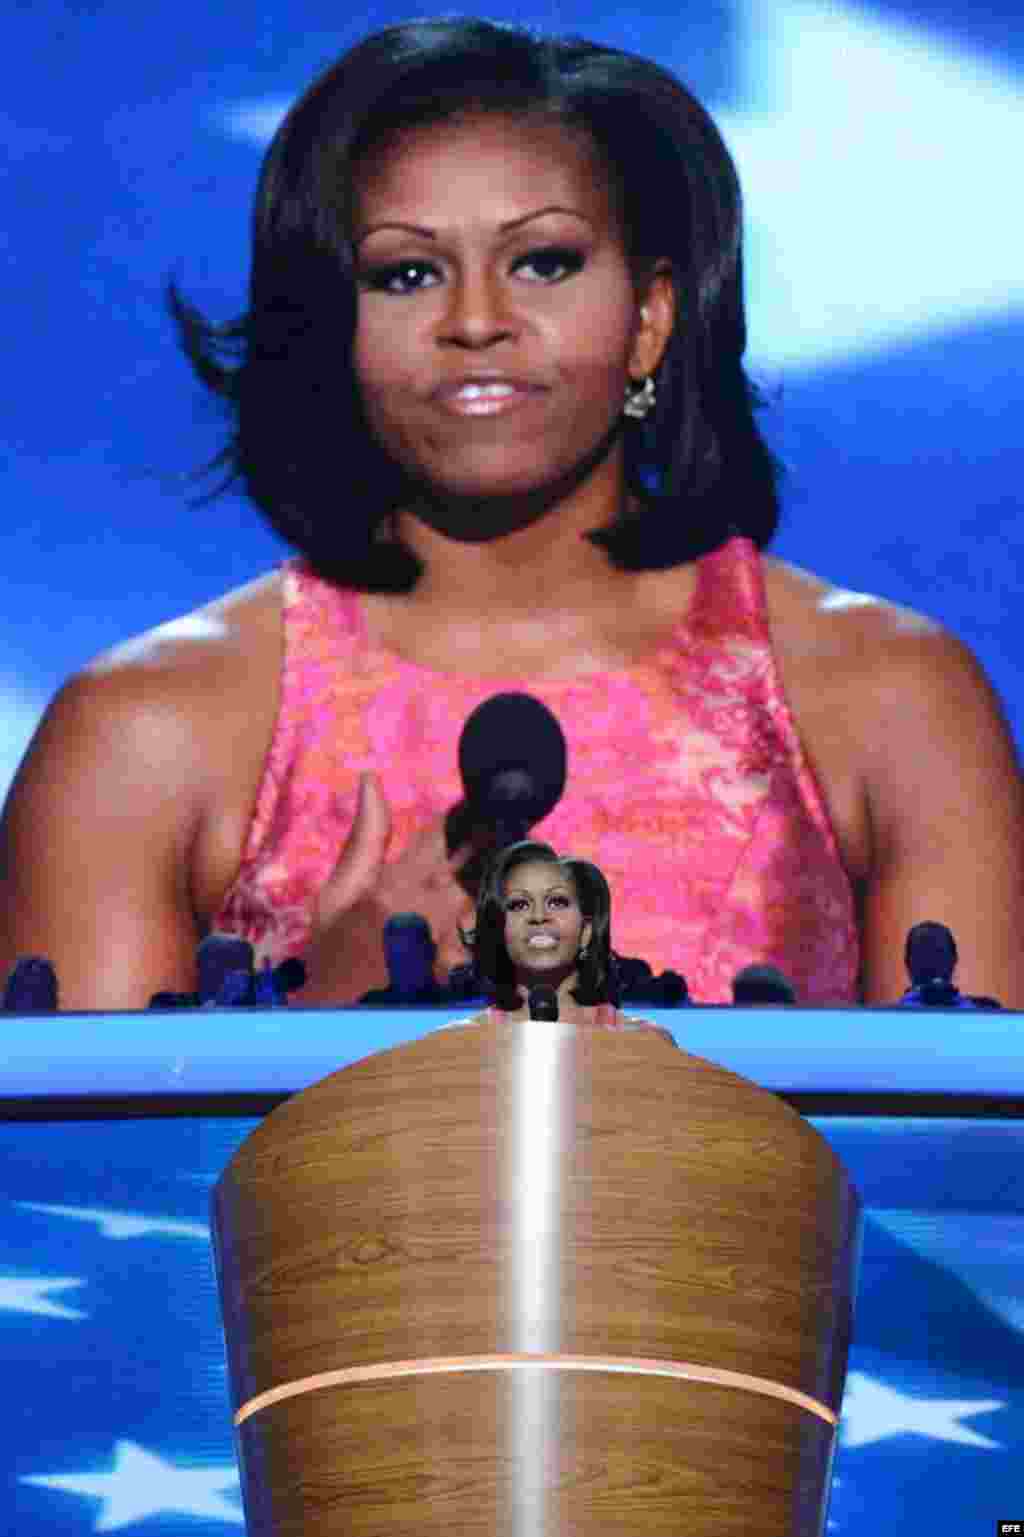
94	846
125	823
946	810
125	826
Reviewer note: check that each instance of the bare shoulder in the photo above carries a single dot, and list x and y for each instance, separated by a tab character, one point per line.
202	648
816	620
164	733
889	665
205	677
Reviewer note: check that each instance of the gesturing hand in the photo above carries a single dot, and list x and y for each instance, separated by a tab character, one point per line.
364	890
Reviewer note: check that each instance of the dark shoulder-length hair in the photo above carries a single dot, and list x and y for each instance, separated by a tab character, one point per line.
491	960
301	445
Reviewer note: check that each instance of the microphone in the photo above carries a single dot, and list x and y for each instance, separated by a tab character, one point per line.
290	974
31	987
168	1000
225	969
669	988
463	984
513	761
543	1002
273	985
762	985
631	974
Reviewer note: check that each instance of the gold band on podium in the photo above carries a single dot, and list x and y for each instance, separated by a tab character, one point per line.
349	1376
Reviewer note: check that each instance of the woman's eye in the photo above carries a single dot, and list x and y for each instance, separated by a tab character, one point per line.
563	259
560	901
397	277
551	265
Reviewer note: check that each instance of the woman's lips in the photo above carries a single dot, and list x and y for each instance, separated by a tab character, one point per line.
542	942
487	399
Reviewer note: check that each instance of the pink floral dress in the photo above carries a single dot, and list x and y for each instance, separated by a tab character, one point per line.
687	785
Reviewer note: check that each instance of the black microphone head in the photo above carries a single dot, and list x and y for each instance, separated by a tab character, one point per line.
217	956
513	760
672	989
31	987
762	984
543	1002
167	1000
930	954
463	983
630	972
290	975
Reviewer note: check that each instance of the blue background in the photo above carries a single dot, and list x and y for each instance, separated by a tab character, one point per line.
878	146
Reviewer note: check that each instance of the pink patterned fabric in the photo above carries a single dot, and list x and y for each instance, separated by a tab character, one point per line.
688	785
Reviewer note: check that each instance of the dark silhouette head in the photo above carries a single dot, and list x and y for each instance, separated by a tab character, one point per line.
930	954
409	950
762	985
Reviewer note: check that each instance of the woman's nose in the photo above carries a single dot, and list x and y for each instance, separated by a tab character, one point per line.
477	310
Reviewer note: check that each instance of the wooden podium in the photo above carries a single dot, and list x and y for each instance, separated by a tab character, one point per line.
532	1281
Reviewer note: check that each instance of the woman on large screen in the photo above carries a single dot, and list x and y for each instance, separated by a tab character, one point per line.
489	384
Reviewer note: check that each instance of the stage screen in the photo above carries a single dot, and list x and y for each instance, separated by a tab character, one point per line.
877	146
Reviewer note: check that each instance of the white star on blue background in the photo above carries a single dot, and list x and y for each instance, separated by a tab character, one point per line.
29	1294
143	1485
123	1224
871	1412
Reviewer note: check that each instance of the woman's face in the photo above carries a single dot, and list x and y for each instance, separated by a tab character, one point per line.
497	317
544	927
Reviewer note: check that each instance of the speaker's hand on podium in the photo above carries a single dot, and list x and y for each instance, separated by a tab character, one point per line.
345	956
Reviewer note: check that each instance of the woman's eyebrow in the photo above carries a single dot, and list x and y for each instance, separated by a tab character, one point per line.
429	234
522	891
